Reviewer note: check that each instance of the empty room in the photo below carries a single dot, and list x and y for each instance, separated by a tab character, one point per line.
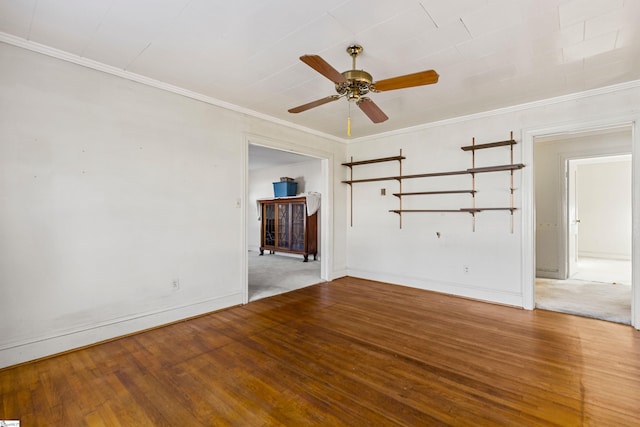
316	213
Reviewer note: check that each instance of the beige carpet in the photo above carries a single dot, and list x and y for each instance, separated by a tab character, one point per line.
600	289
604	301
273	274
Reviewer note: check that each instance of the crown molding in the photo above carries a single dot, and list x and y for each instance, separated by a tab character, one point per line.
513	108
99	66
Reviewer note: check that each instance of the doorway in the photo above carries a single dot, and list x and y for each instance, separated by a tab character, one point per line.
275	273
599	217
583	228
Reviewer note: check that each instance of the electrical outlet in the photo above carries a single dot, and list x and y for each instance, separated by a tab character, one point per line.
465	268
175	284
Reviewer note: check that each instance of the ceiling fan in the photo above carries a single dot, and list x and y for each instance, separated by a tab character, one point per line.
353	84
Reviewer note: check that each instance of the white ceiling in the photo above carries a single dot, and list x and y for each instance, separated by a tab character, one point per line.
489	53
263	157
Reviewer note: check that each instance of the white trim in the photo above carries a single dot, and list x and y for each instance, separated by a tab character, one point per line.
89	63
528	262
338	274
528	205
326	205
505	110
244	285
604	255
99	66
42	346
565	158
326	220
635	228
450	288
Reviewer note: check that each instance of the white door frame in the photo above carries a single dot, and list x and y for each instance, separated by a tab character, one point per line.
565	252
528	205
571	163
571	212
326	215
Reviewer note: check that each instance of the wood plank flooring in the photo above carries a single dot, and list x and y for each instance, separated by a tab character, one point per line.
349	352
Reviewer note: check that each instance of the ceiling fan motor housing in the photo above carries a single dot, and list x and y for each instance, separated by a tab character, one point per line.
358	82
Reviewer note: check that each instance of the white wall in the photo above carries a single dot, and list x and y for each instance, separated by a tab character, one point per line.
109	191
308	175
550	158
604	207
414	255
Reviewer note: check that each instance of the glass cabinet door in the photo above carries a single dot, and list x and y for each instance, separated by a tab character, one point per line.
297	226
283	226
269	224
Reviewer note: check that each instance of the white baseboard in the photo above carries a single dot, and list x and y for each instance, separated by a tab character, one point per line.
549	274
604	255
457	289
290	255
38	347
338	274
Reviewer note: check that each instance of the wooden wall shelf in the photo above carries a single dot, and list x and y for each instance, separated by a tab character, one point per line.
383	178
473	210
371	161
496	168
351	181
399	211
489	145
471	171
461	210
420	193
433	174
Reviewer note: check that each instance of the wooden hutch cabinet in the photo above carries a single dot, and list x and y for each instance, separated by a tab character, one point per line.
287	228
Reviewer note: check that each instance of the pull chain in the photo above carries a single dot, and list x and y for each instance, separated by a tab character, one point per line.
349	121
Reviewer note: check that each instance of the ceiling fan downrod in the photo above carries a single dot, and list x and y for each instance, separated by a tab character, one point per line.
357	81
354	50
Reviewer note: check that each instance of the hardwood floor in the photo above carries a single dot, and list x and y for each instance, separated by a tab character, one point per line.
348	352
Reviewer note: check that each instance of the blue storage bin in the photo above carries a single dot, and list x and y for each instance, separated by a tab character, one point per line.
285	188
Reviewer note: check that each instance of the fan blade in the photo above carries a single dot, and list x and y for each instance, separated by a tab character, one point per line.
313	104
372	110
323	67
410	80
